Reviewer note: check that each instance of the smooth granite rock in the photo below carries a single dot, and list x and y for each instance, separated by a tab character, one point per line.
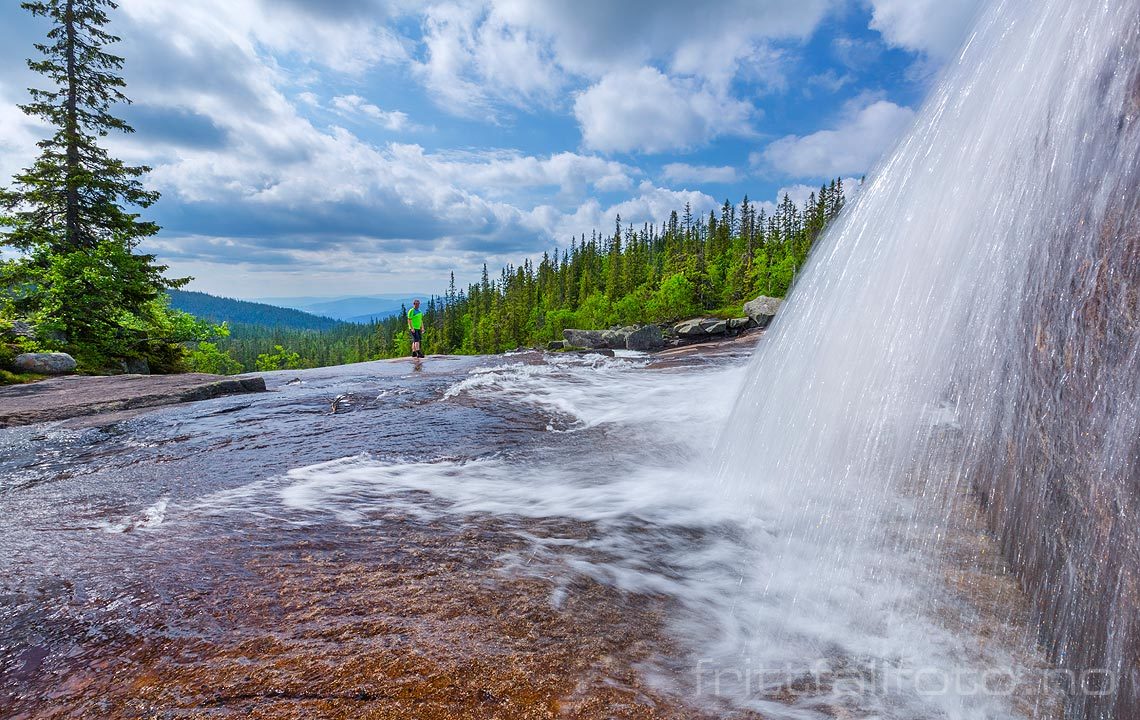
62	398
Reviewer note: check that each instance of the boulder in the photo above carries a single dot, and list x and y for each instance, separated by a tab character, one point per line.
555	344
762	309
714	327
137	366
45	363
645	339
614	338
689	328
738	324
597	339
582	338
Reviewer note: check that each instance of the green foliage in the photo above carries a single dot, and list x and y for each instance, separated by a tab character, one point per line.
675	299
70	198
556	322
12	378
10	347
76	273
402	344
105	302
594	312
279	359
208	358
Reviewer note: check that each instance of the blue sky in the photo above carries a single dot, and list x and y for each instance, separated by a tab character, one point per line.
335	147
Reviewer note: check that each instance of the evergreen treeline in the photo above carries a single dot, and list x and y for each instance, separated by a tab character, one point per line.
686	266
689	265
258	347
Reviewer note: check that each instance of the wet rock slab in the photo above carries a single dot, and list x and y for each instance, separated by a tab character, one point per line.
64	398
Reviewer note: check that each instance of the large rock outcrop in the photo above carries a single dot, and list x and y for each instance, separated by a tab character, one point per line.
1061	479
63	398
710	328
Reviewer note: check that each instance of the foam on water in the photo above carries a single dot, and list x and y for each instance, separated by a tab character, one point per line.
752	596
149	518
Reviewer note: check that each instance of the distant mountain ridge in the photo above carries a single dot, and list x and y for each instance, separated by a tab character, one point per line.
243	312
355	309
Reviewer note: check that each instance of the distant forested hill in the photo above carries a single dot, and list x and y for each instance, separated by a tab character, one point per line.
240	312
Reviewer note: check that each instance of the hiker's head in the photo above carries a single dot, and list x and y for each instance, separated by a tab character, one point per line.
416	303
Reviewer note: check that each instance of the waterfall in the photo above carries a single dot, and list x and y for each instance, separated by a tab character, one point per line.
968	334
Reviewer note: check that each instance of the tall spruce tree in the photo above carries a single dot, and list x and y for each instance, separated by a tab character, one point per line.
67	215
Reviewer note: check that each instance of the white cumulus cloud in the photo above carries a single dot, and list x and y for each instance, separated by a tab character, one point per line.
645	110
479	54
18	136
683	172
936	27
474	59
851	148
651	205
354	105
349	42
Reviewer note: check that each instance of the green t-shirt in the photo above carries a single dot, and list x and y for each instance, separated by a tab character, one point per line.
416	318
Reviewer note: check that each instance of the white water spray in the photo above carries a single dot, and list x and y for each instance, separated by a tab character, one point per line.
930	297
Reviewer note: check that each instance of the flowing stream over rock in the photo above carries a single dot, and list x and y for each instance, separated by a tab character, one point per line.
545	536
519	536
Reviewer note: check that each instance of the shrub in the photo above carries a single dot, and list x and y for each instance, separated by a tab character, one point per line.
208	358
675	299
279	359
594	312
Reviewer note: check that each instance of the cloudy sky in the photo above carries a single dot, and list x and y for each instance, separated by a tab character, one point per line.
333	147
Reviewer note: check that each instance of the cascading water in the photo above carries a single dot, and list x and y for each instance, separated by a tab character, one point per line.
970	325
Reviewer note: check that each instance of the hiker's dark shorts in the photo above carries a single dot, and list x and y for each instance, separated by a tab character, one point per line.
417	335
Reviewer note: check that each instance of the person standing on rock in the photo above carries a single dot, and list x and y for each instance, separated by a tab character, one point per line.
416	326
